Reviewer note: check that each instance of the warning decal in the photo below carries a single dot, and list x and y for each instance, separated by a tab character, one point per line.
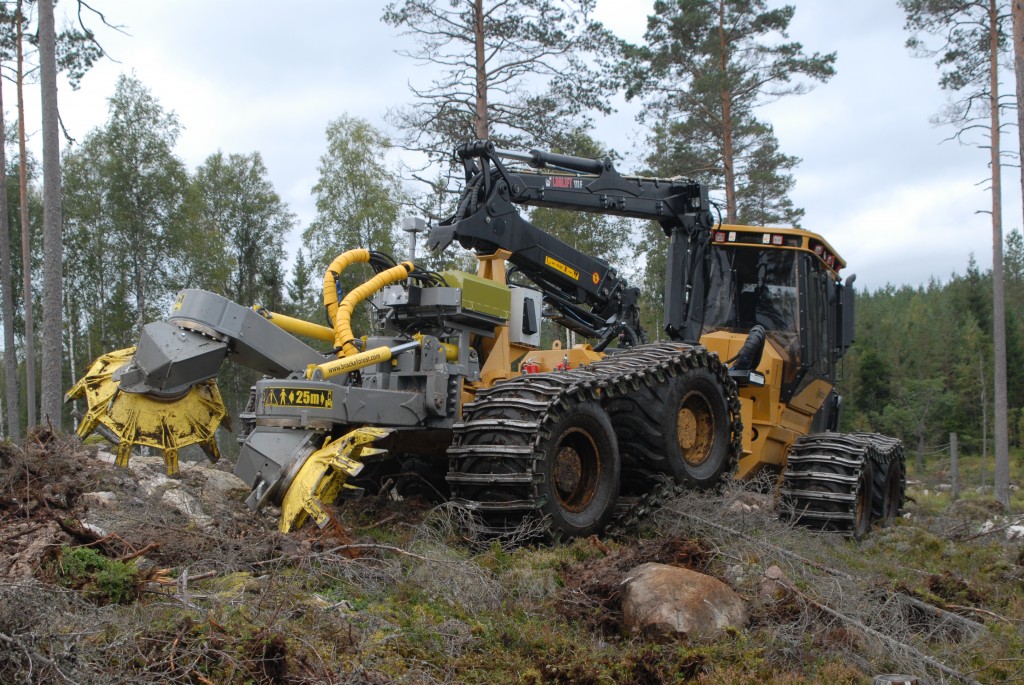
297	397
558	266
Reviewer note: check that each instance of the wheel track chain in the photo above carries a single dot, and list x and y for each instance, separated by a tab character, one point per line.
497	446
821	481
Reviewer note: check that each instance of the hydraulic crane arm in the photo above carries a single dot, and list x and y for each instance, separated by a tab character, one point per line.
589	295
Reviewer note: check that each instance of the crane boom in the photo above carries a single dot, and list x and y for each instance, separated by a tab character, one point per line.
589	295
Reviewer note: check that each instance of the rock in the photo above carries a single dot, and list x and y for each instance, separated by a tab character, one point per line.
738	507
104	499
747	502
187	505
772	585
96	530
668	599
224	482
28	546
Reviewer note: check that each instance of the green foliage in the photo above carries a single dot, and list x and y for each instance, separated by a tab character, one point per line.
922	364
77	49
704	68
962	29
98	578
652	252
303	294
358	200
239	212
764	198
124	189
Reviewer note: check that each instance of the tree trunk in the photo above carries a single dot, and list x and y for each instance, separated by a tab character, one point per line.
480	122
1018	70
954	467
984	417
728	166
10	352
1000	424
26	233
920	452
53	250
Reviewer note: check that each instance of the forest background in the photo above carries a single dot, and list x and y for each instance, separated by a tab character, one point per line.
139	224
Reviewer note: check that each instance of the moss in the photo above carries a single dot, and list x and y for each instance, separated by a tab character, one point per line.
99	578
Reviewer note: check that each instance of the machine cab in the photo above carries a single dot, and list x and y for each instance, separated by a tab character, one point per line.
787	281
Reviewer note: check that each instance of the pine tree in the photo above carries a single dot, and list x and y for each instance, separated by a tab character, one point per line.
705	67
973	37
521	73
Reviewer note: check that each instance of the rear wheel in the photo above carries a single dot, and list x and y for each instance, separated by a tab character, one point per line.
843	481
865	498
888	491
579	471
696	431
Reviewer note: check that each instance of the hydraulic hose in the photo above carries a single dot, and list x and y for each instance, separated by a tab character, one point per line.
340	263
343	336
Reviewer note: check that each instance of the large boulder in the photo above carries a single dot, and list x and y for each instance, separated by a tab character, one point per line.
662	599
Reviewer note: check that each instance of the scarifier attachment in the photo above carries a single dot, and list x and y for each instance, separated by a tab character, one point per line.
323	476
130	419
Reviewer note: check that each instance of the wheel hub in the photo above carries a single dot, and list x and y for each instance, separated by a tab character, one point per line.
695	429
567	470
576	470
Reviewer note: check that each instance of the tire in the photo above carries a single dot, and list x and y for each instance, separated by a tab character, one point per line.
828	483
696	430
864	509
579	471
888	491
422	477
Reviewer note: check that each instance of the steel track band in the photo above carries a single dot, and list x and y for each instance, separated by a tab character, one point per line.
536	401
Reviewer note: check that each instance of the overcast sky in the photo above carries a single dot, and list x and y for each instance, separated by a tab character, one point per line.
876	179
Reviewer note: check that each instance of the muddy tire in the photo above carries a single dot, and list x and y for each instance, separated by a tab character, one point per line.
888	491
579	471
696	430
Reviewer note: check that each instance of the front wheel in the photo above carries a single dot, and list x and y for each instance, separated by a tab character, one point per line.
579	471
696	430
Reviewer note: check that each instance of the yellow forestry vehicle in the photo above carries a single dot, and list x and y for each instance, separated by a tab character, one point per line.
452	395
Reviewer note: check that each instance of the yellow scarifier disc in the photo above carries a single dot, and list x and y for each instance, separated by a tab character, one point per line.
321	478
134	419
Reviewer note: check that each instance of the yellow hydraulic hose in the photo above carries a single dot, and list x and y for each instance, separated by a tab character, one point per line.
296	326
340	263
343	337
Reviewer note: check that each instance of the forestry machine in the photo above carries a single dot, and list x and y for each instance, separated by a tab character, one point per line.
451	394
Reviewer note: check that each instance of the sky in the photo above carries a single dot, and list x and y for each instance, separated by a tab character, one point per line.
876	179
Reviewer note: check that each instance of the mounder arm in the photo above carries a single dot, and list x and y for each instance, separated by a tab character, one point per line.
162	394
589	296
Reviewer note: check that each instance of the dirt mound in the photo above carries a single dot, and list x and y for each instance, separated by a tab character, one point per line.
41	483
591	591
54	491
